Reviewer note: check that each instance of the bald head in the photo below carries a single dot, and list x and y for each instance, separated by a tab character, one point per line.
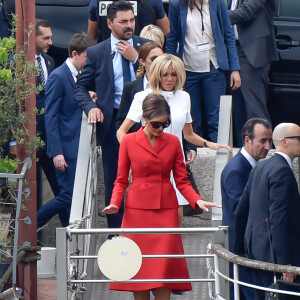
286	138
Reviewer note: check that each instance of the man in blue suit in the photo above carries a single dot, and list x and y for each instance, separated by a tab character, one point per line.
43	41
267	219
257	135
63	122
110	64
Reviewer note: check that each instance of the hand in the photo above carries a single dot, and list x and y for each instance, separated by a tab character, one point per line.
110	209
288	277
95	115
127	51
191	155
60	163
235	80
93	95
205	205
216	146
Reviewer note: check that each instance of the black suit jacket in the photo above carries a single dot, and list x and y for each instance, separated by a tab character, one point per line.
129	90
254	20
98	76
40	98
233	181
270	208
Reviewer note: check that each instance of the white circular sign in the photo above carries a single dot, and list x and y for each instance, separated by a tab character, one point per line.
119	258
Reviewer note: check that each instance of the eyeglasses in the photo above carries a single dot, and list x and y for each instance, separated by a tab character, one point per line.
293	137
157	125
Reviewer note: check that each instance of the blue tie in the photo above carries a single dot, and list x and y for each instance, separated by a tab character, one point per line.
126	70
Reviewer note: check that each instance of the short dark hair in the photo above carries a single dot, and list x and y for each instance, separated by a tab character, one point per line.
41	23
248	128
155	105
116	6
79	43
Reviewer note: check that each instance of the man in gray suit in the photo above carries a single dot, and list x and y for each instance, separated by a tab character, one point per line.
252	22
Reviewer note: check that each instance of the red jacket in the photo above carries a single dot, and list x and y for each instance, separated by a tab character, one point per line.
151	166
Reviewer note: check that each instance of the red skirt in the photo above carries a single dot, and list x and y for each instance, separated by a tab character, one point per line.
156	268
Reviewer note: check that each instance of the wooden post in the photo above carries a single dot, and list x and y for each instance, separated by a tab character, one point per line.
27	278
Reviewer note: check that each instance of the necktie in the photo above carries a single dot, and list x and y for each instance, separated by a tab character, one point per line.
41	74
77	76
126	70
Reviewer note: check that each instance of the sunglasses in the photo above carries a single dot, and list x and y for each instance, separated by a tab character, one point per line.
293	137
157	125
153	58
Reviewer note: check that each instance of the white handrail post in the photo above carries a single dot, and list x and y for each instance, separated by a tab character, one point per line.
236	285
62	266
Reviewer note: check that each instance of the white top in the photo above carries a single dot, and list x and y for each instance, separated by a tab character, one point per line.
180	107
199	47
250	159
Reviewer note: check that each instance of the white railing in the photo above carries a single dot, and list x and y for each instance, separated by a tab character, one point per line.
65	260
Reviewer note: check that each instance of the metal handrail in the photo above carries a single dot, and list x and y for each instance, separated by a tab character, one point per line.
251	263
26	166
225	254
65	234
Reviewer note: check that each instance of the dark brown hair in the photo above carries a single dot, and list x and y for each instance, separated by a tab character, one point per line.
155	105
79	43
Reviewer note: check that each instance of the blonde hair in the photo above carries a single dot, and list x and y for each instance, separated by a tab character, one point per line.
160	66
153	33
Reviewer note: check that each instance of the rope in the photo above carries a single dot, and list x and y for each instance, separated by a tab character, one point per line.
21	257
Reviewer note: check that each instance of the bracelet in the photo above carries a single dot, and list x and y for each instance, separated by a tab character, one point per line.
205	143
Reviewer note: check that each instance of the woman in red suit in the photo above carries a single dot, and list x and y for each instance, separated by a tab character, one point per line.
151	199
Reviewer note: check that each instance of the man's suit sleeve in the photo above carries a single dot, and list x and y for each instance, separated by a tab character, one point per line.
86	84
172	38
54	93
280	190
233	184
240	221
246	12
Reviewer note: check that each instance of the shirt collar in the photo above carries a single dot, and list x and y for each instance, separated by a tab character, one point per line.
249	158
114	41
287	158
146	82
71	67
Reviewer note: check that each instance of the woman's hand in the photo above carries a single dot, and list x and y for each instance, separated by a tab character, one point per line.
205	205
110	209
216	146
191	155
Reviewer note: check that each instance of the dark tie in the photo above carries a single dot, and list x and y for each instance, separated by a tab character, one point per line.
41	74
126	70
77	76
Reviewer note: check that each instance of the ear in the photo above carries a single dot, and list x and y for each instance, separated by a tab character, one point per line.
109	23
141	62
74	53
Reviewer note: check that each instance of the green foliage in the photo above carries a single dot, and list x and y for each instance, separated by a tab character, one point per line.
8	165
16	87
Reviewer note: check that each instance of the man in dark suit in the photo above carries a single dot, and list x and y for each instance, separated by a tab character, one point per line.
256	47
45	63
257	136
110	64
267	218
63	123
